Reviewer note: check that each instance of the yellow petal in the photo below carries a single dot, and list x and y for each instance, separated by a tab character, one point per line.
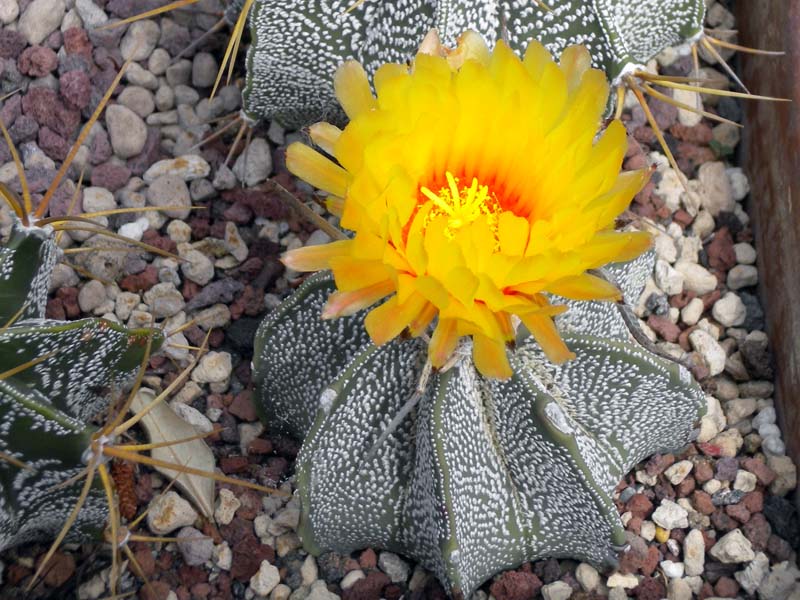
387	321
613	246
325	135
352	274
351	85
314	168
443	343
344	304
315	258
545	333
575	61
490	357
419	325
585	287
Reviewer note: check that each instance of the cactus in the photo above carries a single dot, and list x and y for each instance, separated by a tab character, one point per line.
56	376
289	79
484	474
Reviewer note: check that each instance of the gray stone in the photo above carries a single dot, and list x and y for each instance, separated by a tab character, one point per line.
696	278
678	589
91	14
9	11
668	279
742	276
710	349
214	367
195	547
717	194
780	582
140	40
254	165
188	167
694	553
679	471
752	575
126	129
168	512
670	515
738	409
558	590
733	548
394	566
265	579
197	266
745	253
164	300
729	310
170	190
92	295
138	99
40	19
204	70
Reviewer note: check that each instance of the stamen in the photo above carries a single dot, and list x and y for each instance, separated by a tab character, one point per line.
463	205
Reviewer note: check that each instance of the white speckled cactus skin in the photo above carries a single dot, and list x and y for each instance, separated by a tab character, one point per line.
296	46
482	475
46	408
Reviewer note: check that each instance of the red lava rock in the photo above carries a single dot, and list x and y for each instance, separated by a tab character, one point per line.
702	502
248	555
664	327
682	218
140	282
516	585
720	251
709	449
699	134
52	144
243	407
703	471
392	592
190	576
144	556
367	559
757	530
651	561
100	149
369	588
157	590
779	548
251	504
15	572
24	129
726	587
754	501
690	156
635	525
722	521
37	61
69	299
757	467
111	176
43	105
685	487
12	108
738	512
55	310
639	505
234	464
710	298
250	303
162	242
59	569
650	588
11	43
201	591
260	446
216	338
77	42
707	591
239	213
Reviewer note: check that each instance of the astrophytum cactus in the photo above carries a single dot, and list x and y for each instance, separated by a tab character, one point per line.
296	46
482	475
55	376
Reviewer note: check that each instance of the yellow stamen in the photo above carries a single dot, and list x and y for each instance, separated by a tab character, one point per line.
462	205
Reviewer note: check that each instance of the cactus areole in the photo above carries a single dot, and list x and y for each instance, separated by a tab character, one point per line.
483	414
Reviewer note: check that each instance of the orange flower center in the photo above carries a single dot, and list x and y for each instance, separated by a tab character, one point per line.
462	205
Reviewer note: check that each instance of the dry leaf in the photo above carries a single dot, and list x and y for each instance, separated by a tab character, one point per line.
163	425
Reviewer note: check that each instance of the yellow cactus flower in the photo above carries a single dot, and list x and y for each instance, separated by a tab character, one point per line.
474	185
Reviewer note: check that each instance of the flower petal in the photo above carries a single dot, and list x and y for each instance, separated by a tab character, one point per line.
585	287
351	85
490	357
318	170
325	135
344	304
314	258
387	321
545	333
443	343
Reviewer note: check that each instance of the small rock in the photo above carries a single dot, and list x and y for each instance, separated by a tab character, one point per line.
717	194
265	579
694	552
678	589
168	512
394	566
138	99
558	590
140	40
673	570
254	164
227	505
729	310
197	267
164	300
204	70
126	129
40	19
170	190
349	580
193	416
751	577
214	367
668	279
733	547
188	167
780	582
745	253
9	11
697	279
691	313
587	577
91	14
622	581
223	556
728	443
738	409
195	547
742	276
745	481
710	349
309	571
786	475
679	471
670	515
92	295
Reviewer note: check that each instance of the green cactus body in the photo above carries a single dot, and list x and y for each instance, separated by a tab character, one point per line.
297	46
482	474
70	369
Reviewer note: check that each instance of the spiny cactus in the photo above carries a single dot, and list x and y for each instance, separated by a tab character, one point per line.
55	376
296	46
483	474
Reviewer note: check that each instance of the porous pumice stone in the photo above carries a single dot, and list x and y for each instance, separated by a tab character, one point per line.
482	475
290	79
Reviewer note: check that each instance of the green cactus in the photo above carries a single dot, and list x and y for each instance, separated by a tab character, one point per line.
297	46
465	474
55	376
